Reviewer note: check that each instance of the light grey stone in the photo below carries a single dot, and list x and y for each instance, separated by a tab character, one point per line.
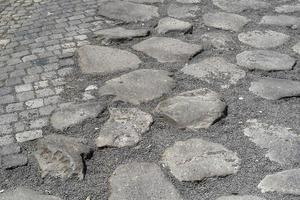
281	20
12	148
104	60
288	8
265	60
189	1
241	5
196	159
146	1
166	49
136	181
218	40
29	135
124	127
21	193
168	24
240	197
7	139
296	48
34	103
182	10
139	86
13	161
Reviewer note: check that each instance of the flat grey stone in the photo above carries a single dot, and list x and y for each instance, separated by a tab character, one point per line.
189	1
182	10
225	21
286	182
240	5
139	86
141	181
296	48
288	8
240	197
21	193
215	68
273	89
146	1
167	49
265	60
282	144
168	24
196	159
281	20
13	161
263	39
61	156
127	11
104	60
218	40
124	127
8	149
73	114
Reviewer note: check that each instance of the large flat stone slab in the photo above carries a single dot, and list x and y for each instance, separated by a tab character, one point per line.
289	8
139	86
141	181
168	24
165	49
21	193
240	197
105	60
241	5
182	10
281	20
196	159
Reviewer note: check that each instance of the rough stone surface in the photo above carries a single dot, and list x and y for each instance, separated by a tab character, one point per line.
217	40
146	1
241	5
13	161
281	20
273	89
135	181
263	39
104	60
182	10
168	24
61	156
21	193
139	86
296	48
167	49
288	8
265	60
13	148
124	127
189	1
243	197
196	159
287	182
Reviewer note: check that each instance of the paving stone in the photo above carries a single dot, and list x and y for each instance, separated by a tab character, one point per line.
5	129
4	42
14	107
127	11
296	48
21	193
242	197
196	159
139	86
263	39
23	88
7	99
12	148
29	135
167	49
62	156
146	1
13	161
281	20
286	182
7	139
73	114
215	68
241	5
135	181
35	103
265	60
282	144
8	118
225	21
288	8
168	24
24	96
218	40
182	10
104	60
124	127
273	89
189	1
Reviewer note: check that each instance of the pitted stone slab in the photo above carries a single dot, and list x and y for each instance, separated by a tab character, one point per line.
168	24
281	20
196	159
288	8
282	144
273	89
128	11
124	127
225	21
286	182
182	10
241	5
296	48
218	40
105	60
215	68
265	60
21	193
263	39
167	49
139	86
141	181
242	197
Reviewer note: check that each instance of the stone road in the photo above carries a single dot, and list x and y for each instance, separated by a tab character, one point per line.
149	99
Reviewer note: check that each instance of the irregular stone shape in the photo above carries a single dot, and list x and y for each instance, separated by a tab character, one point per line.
21	193
61	156
188	1
225	21
73	114
182	10
263	39
281	20
139	86
146	1
127	11
168	24
240	5
287	182
283	144
273	89
243	197
218	40
193	109
296	48
104	60
124	127
13	161
4	42
141	181
167	49
288	8
196	159
265	60
215	68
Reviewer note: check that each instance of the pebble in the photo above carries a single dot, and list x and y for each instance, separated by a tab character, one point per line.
21	193
168	24
241	5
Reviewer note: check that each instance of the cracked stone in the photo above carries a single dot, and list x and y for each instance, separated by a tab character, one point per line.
242	197
196	159
240	5
168	24
296	48
281	20
182	10
21	193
